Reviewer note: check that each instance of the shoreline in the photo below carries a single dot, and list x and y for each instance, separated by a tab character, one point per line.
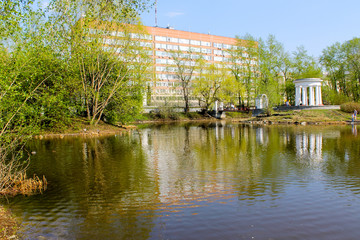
125	130
8	224
293	117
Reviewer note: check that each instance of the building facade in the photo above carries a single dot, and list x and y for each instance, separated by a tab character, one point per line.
161	45
165	41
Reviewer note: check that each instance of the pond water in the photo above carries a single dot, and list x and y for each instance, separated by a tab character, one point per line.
197	181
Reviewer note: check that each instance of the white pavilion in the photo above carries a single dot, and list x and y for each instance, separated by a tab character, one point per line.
308	92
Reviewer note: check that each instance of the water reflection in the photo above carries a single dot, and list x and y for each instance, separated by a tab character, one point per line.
354	129
309	146
140	185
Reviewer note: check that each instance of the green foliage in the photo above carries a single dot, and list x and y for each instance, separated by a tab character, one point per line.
213	83
349	107
332	97
270	83
342	62
124	109
165	113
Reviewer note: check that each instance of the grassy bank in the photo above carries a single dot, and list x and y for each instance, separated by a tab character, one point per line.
8	225
324	116
80	127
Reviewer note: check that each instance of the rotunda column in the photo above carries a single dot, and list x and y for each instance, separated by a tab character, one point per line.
304	96
297	96
311	96
317	103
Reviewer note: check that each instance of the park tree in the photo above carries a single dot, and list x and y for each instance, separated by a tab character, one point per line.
352	52
213	82
341	62
236	68
304	65
184	66
250	61
106	53
271	80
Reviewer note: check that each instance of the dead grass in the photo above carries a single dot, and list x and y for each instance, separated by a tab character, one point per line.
323	116
8	225
24	186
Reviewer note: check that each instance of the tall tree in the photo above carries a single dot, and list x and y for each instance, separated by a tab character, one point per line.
106	48
184	66
250	63
213	82
271	78
236	67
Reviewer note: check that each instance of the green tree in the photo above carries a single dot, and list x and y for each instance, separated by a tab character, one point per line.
352	51
236	67
185	67
213	82
305	66
272	69
250	61
106	52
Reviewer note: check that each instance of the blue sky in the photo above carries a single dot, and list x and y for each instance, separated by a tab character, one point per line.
315	24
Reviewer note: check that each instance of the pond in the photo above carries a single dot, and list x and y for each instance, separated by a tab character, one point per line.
197	181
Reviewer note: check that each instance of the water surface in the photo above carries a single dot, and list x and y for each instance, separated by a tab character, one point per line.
197	181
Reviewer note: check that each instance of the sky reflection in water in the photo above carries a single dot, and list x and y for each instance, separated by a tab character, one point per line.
198	181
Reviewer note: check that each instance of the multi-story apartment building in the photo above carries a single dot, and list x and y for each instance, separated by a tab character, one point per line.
163	44
213	49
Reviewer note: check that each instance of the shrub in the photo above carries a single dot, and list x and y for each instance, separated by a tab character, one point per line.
332	97
349	107
165	113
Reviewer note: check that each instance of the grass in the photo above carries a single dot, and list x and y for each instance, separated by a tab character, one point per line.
315	116
8	225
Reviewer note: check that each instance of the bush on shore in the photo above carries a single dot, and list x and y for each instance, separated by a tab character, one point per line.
349	107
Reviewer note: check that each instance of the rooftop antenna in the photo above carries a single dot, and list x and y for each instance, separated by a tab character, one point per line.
156	13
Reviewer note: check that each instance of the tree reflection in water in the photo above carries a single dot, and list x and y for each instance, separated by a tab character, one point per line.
122	187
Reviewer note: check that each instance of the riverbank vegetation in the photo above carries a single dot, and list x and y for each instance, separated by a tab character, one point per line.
8	225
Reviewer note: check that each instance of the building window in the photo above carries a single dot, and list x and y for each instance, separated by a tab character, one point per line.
218	59
206	44
226	46
183	48
160	61
184	41
205	50
146	44
218	52
174	40
195	42
172	47
160	38
194	49
218	45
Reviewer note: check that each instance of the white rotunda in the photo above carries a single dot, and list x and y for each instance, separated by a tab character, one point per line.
308	92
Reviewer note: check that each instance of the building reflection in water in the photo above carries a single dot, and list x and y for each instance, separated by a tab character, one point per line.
197	163
309	145
262	136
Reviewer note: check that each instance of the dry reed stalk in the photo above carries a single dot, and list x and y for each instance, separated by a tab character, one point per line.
25	186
